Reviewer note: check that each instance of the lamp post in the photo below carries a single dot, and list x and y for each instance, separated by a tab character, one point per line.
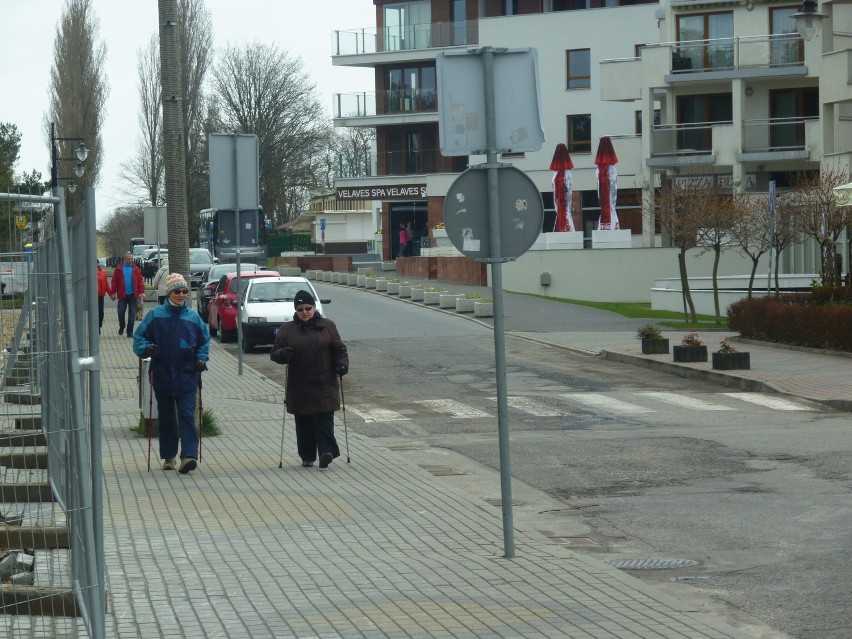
81	154
809	20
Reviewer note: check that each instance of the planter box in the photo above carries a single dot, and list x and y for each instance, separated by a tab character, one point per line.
335	278
689	353
381	284
326	276
430	298
393	288
483	309
655	346
464	305
440	237
417	293
612	239
351	279
370	282
448	300
731	361
361	281
405	290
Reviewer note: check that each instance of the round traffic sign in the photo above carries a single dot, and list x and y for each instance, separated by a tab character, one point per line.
466	219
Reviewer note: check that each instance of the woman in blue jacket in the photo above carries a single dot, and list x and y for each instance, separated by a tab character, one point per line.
178	343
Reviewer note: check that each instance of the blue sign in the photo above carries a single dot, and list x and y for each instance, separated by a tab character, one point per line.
322	224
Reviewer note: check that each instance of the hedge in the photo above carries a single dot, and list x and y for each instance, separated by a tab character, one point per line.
819	319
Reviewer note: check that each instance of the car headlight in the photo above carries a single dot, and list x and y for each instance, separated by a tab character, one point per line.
256	320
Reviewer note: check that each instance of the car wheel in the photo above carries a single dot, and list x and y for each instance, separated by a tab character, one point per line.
248	347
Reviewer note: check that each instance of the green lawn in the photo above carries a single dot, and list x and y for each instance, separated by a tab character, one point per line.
643	310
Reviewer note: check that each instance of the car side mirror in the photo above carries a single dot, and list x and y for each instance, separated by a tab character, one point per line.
215	260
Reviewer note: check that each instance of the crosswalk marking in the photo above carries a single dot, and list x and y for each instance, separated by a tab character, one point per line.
606	403
532	406
373	413
452	408
769	401
685	401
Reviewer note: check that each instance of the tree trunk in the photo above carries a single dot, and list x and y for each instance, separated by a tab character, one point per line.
173	138
751	279
716	253
684	284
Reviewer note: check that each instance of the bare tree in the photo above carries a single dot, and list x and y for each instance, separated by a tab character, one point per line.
78	87
786	232
718	219
818	216
752	230
351	149
121	225
262	90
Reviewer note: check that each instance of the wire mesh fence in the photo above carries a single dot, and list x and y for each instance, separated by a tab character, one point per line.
51	569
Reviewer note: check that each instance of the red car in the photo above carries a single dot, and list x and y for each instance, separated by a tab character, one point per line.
222	310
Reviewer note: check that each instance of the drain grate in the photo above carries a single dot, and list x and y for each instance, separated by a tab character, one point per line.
650	563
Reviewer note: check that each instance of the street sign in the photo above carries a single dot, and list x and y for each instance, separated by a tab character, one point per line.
466	213
462	108
21	221
234	162
322	223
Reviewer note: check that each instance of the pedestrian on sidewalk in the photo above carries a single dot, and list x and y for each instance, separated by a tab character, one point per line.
178	343
104	289
403	240
160	280
129	287
316	357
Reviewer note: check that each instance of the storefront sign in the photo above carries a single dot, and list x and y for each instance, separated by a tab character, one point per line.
721	182
394	192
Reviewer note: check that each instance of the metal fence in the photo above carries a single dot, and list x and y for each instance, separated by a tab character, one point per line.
51	501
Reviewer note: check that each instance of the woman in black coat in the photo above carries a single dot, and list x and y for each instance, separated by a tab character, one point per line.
316	356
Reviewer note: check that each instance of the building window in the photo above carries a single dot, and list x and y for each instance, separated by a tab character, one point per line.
706	40
638	124
786	47
459	18
411	89
407	25
579	69
510	7
695	116
788	110
570	5
579	133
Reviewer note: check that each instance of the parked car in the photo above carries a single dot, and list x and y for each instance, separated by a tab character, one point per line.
211	279
222	311
152	259
266	303
138	251
199	261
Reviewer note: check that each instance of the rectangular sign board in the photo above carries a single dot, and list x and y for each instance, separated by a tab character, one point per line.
461	102
234	171
155	225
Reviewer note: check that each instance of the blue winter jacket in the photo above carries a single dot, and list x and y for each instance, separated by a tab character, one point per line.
182	339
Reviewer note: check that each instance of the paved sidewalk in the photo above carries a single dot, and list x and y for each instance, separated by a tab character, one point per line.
374	548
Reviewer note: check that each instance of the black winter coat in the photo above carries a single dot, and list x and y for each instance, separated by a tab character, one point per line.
312	385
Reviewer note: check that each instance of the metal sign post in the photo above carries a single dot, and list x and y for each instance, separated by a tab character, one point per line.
771	234
469	87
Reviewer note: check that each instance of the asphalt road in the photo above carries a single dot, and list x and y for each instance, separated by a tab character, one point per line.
619	462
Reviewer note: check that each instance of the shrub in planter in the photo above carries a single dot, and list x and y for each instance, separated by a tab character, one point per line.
691	349
653	342
727	358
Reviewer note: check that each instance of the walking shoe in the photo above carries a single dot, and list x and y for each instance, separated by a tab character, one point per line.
170	464
306	463
187	464
325	460
121	330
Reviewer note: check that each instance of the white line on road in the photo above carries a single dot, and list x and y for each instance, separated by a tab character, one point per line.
532	407
776	403
684	401
451	408
607	403
373	413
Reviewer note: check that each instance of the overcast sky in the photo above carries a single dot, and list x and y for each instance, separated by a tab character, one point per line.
28	27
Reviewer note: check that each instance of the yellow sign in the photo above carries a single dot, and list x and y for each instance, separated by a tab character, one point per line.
21	221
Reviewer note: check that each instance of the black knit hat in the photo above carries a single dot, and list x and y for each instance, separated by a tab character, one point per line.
303	298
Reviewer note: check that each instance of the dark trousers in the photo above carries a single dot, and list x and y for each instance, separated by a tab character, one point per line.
100	312
177	425
315	435
126	304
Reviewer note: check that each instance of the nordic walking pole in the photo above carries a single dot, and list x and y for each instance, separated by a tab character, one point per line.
150	413
283	420
345	430
200	417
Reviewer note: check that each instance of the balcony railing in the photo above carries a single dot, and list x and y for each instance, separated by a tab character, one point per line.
372	103
683	139
774	135
728	54
418	161
405	38
355	167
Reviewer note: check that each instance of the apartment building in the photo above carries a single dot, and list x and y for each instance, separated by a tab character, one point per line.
410	177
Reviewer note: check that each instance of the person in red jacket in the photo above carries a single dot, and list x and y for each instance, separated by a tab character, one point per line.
103	289
129	286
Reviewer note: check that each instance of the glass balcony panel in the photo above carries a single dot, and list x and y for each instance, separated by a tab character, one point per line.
405	37
682	139
724	54
774	134
414	161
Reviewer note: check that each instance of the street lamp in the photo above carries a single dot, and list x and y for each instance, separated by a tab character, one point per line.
81	153
809	20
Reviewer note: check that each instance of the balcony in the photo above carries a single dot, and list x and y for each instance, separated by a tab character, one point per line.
418	161
778	138
693	143
395	102
404	38
737	54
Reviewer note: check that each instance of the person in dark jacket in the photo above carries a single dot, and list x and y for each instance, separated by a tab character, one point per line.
129	287
178	343
316	356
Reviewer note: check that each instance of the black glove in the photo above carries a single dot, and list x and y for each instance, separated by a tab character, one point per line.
282	355
150	351
342	369
200	366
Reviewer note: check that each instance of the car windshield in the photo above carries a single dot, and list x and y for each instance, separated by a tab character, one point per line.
219	270
199	258
274	291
